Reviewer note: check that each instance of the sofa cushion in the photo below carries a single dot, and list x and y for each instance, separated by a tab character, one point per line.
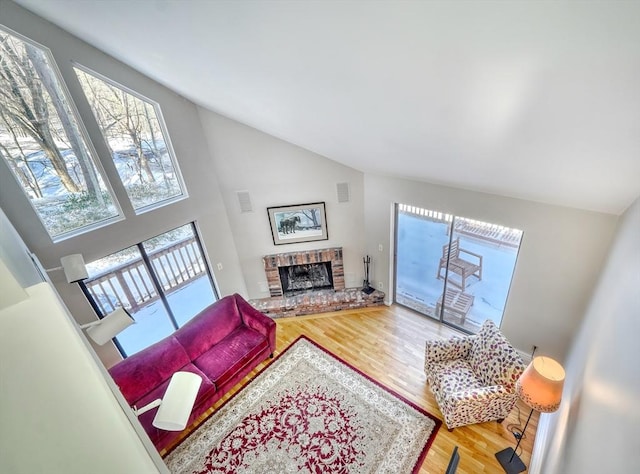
209	327
139	374
229	356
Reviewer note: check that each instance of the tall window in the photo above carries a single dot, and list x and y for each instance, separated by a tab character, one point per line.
44	145
453	269
135	134
163	282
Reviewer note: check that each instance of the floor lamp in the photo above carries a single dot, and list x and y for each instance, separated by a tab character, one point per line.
540	387
176	403
104	329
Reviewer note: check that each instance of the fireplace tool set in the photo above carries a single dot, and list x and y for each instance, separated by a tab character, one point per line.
366	286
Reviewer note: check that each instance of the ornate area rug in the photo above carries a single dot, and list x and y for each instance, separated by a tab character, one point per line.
309	412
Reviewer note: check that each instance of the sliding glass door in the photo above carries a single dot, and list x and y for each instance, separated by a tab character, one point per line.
163	282
453	269
420	234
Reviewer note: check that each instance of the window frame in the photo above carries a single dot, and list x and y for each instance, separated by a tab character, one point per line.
163	128
156	283
87	142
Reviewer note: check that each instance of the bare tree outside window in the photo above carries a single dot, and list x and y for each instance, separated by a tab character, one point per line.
133	130
41	141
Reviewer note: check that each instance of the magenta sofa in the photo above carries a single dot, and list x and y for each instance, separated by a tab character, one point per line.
222	344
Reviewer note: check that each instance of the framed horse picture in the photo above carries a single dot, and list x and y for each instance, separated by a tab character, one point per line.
298	223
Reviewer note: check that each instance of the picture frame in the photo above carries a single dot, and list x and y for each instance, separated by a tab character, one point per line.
298	223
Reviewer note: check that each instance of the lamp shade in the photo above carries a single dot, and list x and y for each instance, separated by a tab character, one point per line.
109	326
74	268
540	385
178	401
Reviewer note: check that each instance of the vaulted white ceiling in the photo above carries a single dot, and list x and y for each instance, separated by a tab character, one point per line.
536	100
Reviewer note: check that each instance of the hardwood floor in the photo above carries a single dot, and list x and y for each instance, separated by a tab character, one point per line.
387	343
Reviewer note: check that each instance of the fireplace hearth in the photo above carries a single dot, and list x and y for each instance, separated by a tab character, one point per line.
311	270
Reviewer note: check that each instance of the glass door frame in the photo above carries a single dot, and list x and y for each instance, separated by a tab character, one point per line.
157	285
437	317
487	254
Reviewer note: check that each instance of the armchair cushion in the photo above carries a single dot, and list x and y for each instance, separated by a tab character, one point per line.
454	376
494	359
473	377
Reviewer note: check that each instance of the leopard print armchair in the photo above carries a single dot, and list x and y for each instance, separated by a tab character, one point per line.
474	377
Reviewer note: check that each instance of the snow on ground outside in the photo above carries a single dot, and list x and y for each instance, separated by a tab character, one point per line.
152	322
419	251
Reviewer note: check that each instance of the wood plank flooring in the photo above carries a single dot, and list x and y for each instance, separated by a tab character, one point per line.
387	343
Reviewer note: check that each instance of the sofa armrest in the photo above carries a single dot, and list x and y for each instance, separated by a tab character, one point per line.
257	321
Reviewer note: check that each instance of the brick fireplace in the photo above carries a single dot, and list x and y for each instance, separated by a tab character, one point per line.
274	264
306	297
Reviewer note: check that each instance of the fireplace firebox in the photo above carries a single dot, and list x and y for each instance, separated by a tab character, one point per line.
296	279
310	270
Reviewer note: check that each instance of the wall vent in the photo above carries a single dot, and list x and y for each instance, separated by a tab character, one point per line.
344	194
244	199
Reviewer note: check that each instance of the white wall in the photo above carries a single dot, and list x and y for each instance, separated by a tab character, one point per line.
14	275
597	428
57	413
204	204
226	158
562	251
561	258
561	254
277	173
13	252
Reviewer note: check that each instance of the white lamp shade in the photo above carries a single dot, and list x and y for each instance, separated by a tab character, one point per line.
110	326
74	268
540	385
177	402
